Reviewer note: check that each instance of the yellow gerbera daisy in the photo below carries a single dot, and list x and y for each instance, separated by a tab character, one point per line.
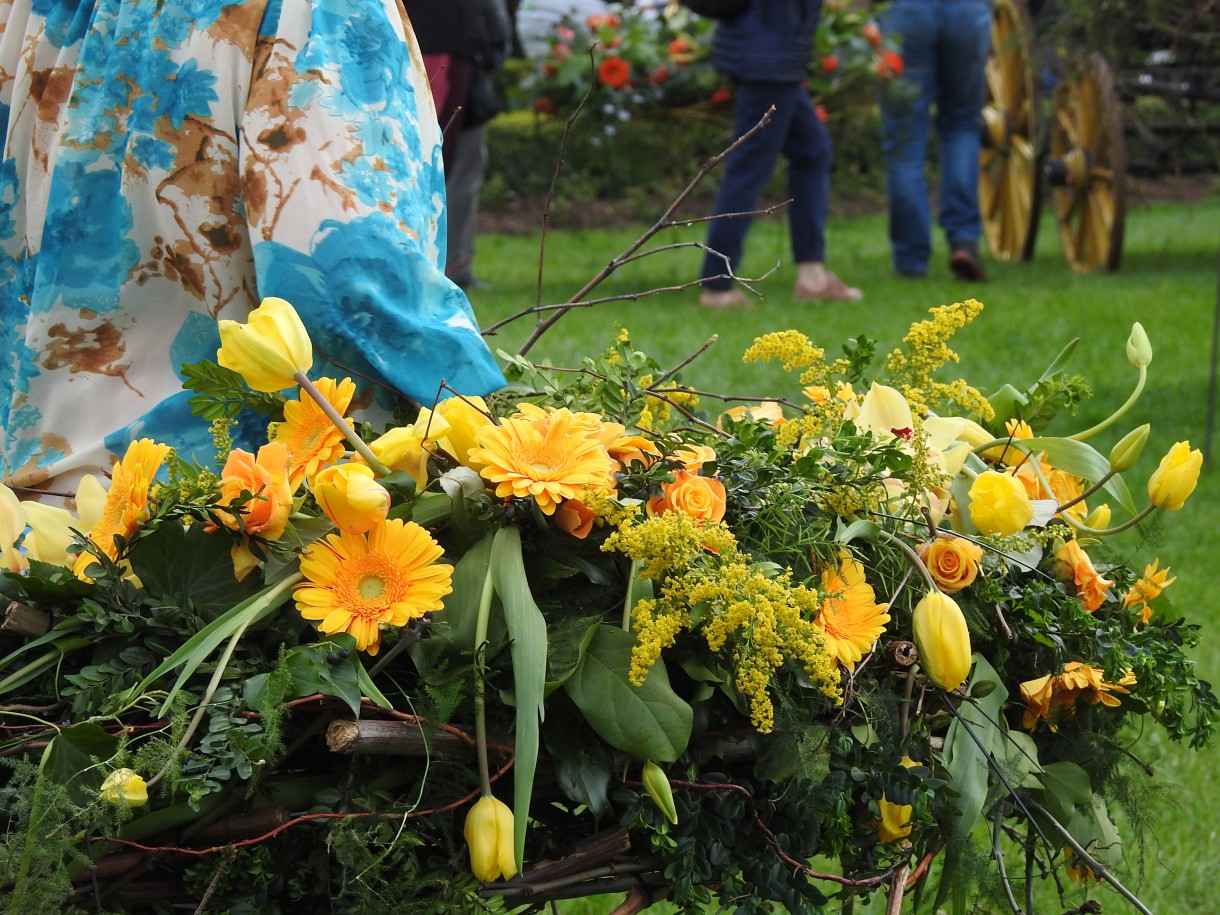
312	439
551	458
357	582
126	502
851	620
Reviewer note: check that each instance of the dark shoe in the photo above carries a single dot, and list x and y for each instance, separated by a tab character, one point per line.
909	274
965	264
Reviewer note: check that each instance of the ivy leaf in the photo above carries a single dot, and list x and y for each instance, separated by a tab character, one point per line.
649	721
188	566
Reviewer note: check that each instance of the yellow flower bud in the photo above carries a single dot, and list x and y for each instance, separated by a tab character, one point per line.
999	504
1174	480
1099	518
943	640
351	497
1139	347
489	836
269	348
895	818
1124	454
658	788
123	786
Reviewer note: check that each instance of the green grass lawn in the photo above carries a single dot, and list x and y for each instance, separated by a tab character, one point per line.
1168	282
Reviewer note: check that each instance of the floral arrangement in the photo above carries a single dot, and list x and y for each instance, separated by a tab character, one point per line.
596	632
636	60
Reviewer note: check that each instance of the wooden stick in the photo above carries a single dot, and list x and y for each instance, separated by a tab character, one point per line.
22	620
244	825
392	738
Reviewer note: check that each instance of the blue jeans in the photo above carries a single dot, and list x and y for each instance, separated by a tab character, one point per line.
797	132
944	52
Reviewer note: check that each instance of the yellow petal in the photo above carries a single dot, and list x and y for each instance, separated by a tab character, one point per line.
12	526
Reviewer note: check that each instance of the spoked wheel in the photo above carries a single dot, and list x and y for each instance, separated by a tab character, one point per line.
1087	168
1010	193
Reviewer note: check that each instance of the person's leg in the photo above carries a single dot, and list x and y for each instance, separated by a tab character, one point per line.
808	149
965	36
747	171
462	183
905	106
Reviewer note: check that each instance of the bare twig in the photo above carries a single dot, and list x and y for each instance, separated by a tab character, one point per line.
665	221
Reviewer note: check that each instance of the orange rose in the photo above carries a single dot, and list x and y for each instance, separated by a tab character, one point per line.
952	561
574	517
700	497
1090	586
266	479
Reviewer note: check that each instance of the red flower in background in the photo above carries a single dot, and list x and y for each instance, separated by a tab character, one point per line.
889	63
560	52
820	111
658	75
872	33
597	20
680	51
543	105
563	33
613	72
722	96
830	63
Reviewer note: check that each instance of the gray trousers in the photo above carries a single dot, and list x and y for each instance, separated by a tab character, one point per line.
463	178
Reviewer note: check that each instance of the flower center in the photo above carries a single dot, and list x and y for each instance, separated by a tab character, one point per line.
371	587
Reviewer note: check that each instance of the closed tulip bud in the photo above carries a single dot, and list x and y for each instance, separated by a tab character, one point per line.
1099	518
1124	454
1139	347
1174	480
350	496
895	818
999	504
489	837
123	786
658	788
943	640
269	349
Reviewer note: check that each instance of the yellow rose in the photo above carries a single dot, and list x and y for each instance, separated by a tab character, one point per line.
998	504
700	497
269	349
895	818
1174	480
350	496
123	786
465	417
489	836
952	561
943	640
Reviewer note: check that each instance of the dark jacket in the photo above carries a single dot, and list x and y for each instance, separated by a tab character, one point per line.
478	29
771	41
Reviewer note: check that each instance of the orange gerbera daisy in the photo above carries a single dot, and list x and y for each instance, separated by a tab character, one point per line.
850	620
126	502
551	458
313	440
355	583
614	72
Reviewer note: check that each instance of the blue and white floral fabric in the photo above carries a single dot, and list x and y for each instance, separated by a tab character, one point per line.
167	164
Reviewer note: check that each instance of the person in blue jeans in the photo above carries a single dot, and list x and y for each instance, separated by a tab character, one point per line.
766	51
944	50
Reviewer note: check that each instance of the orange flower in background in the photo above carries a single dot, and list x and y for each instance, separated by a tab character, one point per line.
1091	588
613	72
700	497
312	439
1148	589
356	583
830	63
575	518
1052	699
658	76
820	111
126	502
680	51
262	488
850	618
889	64
721	95
953	562
551	458
872	33
597	20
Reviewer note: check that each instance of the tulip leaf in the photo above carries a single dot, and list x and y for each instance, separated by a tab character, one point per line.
1081	460
461	611
527	628
649	721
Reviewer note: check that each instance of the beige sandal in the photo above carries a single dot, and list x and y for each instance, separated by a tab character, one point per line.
725	298
833	290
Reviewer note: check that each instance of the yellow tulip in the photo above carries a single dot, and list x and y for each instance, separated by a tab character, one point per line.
1174	480
350	496
12	526
123	786
465	417
943	640
895	818
269	349
1123	455
50	533
999	504
489	836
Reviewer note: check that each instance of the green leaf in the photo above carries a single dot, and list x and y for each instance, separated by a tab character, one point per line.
462	603
186	565
527	628
1066	786
73	753
649	721
967	764
1077	458
583	767
858	530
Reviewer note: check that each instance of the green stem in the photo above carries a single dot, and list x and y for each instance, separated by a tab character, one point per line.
1088	492
628	602
912	556
1117	414
46	660
357	443
1109	531
480	653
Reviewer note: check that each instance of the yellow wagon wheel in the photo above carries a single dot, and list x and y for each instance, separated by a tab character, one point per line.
1010	193
1087	168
